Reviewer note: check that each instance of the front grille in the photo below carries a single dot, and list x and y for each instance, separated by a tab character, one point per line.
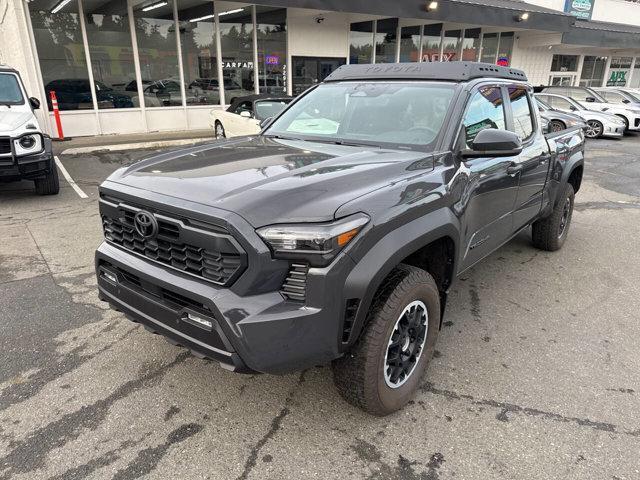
211	255
295	285
5	145
173	300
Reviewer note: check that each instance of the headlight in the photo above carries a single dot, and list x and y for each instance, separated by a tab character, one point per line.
27	144
318	243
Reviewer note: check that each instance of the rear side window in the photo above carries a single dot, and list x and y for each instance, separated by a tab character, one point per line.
613	97
579	94
486	110
522	114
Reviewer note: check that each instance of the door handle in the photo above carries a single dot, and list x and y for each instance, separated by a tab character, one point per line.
514	169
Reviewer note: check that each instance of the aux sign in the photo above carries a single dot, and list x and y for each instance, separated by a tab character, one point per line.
581	9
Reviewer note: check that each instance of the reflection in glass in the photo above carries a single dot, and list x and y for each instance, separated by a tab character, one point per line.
592	71
156	36
386	40
361	42
271	24
452	42
198	44
410	44
236	40
505	49
522	119
489	48
485	111
111	54
61	53
431	42
471	44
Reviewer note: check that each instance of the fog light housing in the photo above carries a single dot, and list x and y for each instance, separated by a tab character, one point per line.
109	276
197	320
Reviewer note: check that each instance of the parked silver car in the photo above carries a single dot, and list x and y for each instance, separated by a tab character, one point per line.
599	124
557	120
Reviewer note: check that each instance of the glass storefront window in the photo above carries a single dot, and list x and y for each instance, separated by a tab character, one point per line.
112	64
505	49
198	45
564	63
431	42
60	49
410	44
236	41
471	44
386	40
619	71
157	49
593	71
489	48
361	42
452	42
271	24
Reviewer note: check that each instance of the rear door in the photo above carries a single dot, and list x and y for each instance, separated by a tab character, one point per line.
533	162
488	201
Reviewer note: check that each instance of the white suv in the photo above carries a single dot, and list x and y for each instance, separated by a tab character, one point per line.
592	100
25	152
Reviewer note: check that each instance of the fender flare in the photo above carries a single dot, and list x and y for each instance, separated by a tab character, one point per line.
367	276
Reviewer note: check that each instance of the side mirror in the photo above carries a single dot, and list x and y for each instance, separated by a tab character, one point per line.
573	108
492	142
590	99
626	101
265	123
34	102
246	114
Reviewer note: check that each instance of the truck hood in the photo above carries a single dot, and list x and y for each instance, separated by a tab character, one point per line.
12	119
268	180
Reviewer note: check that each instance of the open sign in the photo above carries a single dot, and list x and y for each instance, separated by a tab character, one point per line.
272	60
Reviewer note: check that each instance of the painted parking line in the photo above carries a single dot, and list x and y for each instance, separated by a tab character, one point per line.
73	184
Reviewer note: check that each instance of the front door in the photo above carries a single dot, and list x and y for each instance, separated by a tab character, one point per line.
487	204
307	71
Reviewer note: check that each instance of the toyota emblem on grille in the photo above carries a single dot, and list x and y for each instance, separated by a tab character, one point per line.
146	224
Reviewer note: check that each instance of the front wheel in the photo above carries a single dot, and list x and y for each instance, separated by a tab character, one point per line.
50	184
218	130
551	232
594	129
626	122
383	370
556	126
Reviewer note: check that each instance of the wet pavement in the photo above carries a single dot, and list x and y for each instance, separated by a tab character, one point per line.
536	373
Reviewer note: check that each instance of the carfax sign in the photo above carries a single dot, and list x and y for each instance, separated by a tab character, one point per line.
581	9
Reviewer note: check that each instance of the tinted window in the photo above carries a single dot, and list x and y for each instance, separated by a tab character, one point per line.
522	115
10	92
486	110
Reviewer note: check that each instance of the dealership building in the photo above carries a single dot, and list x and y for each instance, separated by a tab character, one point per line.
125	66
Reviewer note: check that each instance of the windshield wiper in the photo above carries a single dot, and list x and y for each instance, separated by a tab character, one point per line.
281	137
347	143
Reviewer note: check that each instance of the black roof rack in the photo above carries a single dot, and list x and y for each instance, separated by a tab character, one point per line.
455	71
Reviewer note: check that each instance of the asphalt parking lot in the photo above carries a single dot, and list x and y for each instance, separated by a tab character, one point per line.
536	373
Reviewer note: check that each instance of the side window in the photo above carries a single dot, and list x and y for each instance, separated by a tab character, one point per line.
244	107
486	110
522	115
613	97
579	94
561	103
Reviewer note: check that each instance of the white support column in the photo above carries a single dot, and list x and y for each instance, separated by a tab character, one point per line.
87	56
183	91
256	67
607	68
461	43
216	20
398	30
136	65
421	43
373	41
441	43
36	65
633	66
289	64
579	71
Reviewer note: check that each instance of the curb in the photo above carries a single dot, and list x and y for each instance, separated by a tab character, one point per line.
134	146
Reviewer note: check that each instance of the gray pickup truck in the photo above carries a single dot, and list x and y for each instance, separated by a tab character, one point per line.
335	234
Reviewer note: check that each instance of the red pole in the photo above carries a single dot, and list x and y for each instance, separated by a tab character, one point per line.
56	114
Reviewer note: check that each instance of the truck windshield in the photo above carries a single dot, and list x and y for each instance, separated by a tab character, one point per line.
398	113
10	92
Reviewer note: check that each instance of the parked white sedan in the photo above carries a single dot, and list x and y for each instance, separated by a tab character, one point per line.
244	115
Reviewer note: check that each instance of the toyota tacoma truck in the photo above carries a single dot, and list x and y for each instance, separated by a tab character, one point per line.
25	152
335	234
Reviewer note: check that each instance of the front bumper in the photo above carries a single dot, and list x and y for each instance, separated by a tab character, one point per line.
27	167
263	332
613	130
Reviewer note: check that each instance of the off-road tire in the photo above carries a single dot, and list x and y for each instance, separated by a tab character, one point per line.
49	185
546	232
359	375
